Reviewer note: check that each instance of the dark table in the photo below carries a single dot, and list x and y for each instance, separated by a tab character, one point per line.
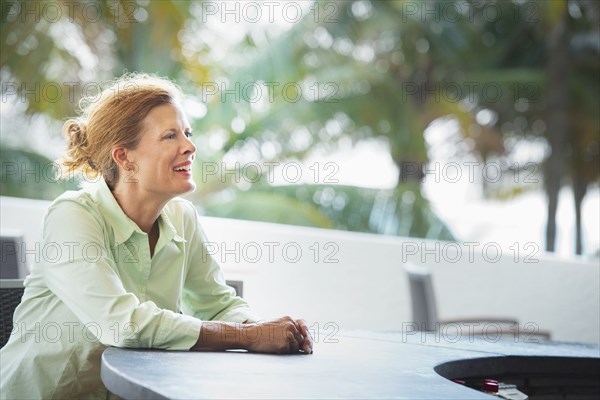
352	364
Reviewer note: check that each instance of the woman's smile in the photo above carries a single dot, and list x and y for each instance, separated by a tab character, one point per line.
184	168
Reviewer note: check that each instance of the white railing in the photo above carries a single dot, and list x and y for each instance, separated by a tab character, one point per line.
347	280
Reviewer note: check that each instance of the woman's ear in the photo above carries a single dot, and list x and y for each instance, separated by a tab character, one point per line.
119	155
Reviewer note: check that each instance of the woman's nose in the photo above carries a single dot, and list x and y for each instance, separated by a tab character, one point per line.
189	147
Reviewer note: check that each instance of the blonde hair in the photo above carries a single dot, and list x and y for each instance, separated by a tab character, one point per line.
112	118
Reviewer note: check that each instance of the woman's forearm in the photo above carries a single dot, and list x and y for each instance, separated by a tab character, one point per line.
216	335
282	335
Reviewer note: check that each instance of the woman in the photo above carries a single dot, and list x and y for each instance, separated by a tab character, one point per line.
124	259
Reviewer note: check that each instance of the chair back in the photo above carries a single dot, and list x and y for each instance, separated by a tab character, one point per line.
12	255
424	311
11	291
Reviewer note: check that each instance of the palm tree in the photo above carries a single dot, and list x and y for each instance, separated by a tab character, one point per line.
55	53
371	69
69	49
391	70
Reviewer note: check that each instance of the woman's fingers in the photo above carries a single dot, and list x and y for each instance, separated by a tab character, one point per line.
283	335
307	345
294	344
297	333
294	335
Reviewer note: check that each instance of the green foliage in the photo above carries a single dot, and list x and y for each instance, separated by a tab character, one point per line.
269	207
399	212
356	73
30	175
117	36
416	63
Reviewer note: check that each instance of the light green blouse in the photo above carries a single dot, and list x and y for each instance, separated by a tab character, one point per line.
94	285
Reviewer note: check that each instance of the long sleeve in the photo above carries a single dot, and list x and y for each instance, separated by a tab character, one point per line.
205	294
83	273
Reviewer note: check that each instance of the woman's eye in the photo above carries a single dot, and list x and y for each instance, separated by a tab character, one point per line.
173	135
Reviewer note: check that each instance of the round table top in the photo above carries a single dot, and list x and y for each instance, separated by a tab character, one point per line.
354	364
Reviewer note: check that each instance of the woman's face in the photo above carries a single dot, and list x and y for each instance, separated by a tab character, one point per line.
161	164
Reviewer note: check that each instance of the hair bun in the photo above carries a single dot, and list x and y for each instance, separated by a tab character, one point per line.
77	155
76	134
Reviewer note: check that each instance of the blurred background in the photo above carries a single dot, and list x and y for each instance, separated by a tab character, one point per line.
453	120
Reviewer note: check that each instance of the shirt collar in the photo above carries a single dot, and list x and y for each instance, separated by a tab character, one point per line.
167	229
122	225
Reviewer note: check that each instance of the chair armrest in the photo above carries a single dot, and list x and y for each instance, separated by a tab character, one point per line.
504	326
481	320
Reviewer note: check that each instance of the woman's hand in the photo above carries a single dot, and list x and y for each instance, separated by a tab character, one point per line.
282	335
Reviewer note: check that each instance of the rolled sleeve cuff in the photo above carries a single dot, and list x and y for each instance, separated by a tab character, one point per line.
179	332
238	314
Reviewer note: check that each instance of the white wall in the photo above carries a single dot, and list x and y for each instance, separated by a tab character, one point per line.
363	285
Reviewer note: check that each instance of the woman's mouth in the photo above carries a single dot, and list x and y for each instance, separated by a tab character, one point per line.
184	169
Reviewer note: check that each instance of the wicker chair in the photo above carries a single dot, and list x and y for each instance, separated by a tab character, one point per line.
11	291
